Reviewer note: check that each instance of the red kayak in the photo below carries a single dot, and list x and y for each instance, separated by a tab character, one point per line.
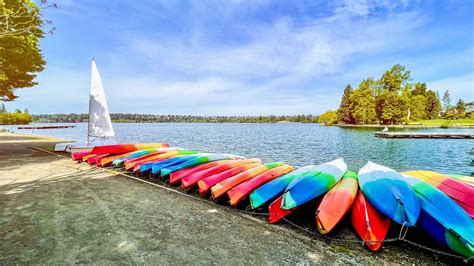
241	191
117	149
175	177
369	224
276	213
192	180
96	159
208	182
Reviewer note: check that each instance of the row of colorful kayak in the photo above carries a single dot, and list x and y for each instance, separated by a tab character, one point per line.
442	205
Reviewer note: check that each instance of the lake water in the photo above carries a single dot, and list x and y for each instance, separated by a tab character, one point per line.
296	144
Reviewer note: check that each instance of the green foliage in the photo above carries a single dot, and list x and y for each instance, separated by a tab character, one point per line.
432	105
363	102
344	114
393	79
329	118
461	108
150	118
392	99
417	107
14	118
20	55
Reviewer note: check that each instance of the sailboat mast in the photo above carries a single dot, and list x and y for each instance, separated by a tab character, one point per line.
89	112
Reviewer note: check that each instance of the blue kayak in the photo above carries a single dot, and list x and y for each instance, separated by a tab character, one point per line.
443	219
276	187
313	184
146	167
388	192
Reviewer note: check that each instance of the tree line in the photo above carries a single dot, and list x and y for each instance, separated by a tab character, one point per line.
152	118
392	99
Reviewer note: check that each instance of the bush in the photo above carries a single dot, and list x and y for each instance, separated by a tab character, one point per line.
14	118
329	118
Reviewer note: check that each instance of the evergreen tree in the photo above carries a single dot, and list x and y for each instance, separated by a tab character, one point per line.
26	111
3	109
393	79
461	108
363	102
432	105
344	114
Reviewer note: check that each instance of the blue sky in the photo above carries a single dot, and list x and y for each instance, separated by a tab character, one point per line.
246	57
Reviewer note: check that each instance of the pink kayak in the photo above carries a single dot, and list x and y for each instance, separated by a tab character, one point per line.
192	180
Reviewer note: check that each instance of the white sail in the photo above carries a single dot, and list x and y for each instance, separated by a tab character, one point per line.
100	124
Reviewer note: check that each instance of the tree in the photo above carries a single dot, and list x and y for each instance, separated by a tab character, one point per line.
329	118
446	101
363	102
461	108
344	114
393	79
432	105
417	105
420	89
26	111
21	29
3	109
390	107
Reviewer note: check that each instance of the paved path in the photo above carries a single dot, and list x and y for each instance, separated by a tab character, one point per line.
55	211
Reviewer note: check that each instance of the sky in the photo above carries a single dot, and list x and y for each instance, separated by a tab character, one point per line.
256	57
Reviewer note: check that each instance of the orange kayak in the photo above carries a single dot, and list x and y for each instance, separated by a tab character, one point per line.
208	182
222	187
336	203
242	190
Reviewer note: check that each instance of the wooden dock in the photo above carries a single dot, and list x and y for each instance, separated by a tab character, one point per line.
424	135
46	127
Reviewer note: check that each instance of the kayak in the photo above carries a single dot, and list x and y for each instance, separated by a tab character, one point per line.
336	203
147	167
444	219
306	188
199	160
222	187
463	178
310	186
178	160
135	165
89	156
389	192
462	193
107	161
207	183
137	154
130	163
370	225
239	192
117	149
93	160
176	177
276	187
192	180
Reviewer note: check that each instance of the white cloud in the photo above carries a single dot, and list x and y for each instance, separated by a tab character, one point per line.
460	87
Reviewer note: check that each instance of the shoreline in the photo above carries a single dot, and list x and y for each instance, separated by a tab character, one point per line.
108	217
403	126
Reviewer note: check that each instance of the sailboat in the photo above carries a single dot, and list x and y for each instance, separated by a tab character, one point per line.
99	128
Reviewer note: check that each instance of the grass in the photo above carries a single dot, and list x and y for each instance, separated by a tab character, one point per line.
443	122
